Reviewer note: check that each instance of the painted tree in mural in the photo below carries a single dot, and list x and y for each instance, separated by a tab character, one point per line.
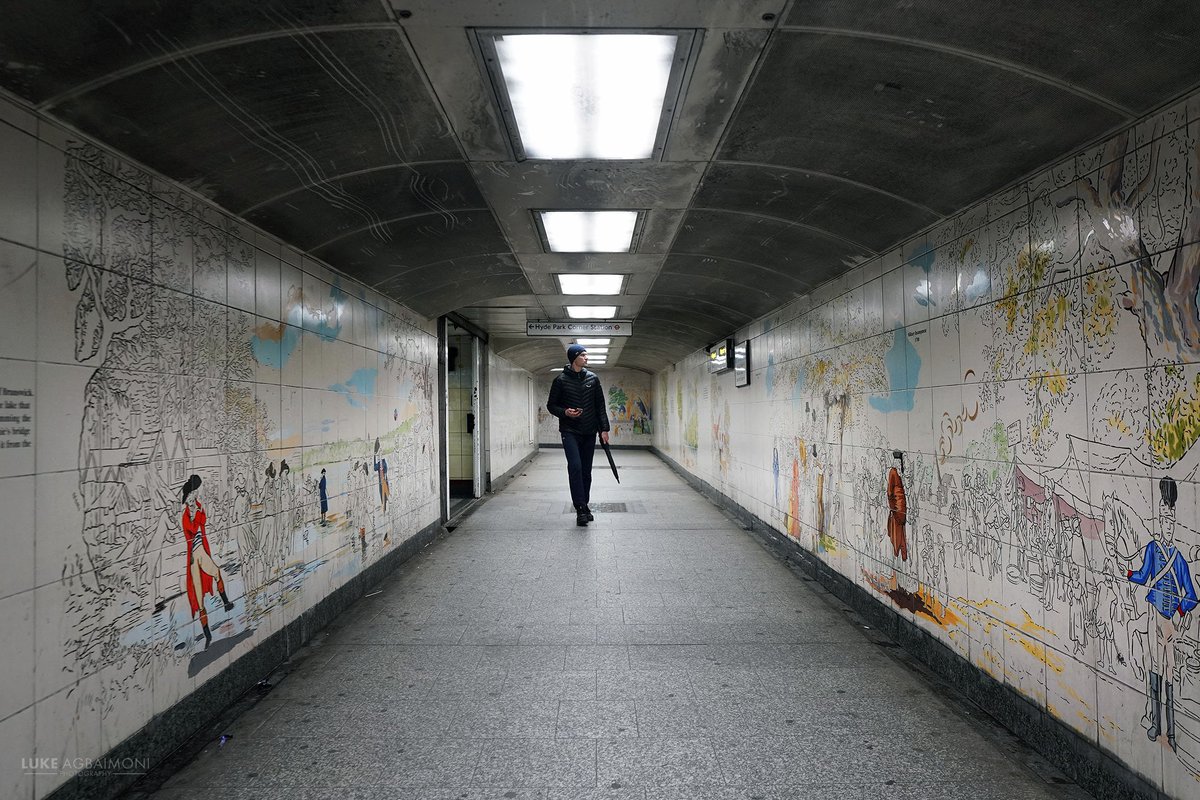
157	407
1153	223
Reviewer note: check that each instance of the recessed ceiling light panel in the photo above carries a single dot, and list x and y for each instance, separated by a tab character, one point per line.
591	284
589	231
586	95
593	342
591	312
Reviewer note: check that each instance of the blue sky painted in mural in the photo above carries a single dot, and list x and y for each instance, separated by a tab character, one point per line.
272	352
903	365
359	385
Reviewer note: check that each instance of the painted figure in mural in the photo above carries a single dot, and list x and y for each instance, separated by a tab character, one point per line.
270	533
287	498
933	561
1077	626
793	513
956	537
201	569
1110	615
385	491
323	493
820	503
1172	593
897	507
577	399
247	532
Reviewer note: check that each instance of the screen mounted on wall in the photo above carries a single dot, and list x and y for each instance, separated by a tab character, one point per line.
720	356
741	363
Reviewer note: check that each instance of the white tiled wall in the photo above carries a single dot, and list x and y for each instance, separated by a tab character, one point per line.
1035	358
511	409
160	339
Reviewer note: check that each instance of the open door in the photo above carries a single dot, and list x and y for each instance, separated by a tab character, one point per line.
463	418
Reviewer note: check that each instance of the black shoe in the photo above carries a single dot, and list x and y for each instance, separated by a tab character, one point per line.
581	516
1155	706
588	511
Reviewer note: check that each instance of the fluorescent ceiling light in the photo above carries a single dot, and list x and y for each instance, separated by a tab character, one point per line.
597	351
591	342
589	231
586	95
591	312
591	284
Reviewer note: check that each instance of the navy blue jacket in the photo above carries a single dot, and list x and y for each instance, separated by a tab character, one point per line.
579	390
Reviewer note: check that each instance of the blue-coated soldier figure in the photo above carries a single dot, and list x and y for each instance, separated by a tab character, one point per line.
1172	593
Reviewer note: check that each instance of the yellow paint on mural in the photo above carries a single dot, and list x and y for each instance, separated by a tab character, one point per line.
1053	382
985	604
1176	427
941	614
1074	695
1119	425
1039	651
1032	627
819	371
1100	319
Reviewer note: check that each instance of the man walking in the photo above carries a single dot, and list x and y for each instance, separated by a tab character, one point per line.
578	401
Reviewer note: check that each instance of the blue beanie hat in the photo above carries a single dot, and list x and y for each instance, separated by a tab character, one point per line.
573	352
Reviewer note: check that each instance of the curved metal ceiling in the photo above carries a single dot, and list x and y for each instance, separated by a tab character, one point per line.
810	136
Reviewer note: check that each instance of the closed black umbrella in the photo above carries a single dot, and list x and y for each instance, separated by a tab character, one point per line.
611	463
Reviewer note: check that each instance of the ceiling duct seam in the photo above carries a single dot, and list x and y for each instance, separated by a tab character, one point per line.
789	223
343	176
970	55
401	218
416	267
837	178
200	49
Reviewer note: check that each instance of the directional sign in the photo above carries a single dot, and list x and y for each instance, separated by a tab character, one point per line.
606	327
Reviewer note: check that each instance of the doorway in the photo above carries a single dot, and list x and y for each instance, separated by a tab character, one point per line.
464	471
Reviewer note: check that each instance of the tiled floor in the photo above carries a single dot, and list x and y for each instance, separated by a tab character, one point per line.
659	653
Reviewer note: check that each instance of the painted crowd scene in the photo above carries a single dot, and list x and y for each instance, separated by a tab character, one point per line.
994	428
253	433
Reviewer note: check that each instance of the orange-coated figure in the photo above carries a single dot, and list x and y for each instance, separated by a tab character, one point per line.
897	507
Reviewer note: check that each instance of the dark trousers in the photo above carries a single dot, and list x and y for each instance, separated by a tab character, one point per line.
579	448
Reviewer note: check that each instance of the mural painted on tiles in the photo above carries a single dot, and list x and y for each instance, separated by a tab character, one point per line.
512	401
994	428
233	467
630	396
